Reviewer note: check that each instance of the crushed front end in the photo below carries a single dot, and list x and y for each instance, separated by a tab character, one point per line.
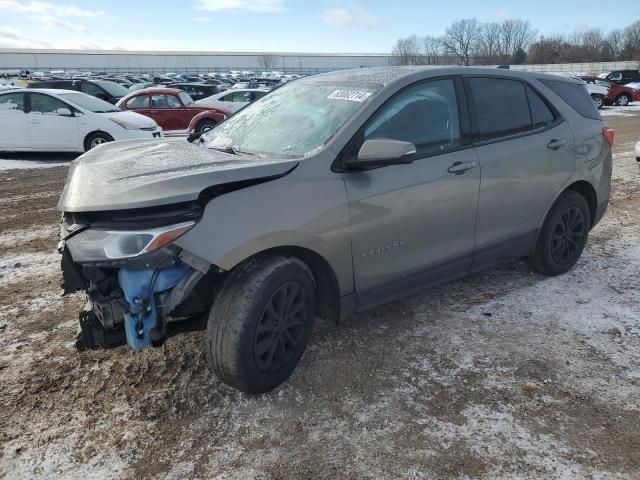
140	287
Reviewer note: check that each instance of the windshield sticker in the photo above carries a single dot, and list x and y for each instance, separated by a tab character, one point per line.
351	95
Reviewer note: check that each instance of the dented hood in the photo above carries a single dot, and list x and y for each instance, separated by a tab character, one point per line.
137	174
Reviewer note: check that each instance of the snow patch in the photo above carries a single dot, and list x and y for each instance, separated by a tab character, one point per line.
11	164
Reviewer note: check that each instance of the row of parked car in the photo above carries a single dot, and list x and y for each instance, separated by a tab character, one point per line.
41	115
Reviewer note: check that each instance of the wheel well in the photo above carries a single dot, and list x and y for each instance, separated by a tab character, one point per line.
327	289
589	193
84	142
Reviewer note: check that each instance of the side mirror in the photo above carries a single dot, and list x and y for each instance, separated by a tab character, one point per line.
65	112
381	153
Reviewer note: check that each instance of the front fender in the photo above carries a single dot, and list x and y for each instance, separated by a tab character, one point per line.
290	211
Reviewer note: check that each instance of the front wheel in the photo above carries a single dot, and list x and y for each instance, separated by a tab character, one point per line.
95	139
563	235
260	323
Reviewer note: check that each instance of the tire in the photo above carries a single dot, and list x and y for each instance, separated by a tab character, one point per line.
623	99
598	101
563	236
205	126
95	139
254	337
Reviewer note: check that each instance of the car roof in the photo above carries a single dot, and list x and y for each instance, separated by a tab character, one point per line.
232	90
156	90
50	91
388	75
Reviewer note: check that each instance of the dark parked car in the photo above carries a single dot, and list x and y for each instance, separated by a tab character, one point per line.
104	90
197	91
623	76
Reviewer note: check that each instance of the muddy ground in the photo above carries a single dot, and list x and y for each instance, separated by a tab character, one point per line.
504	374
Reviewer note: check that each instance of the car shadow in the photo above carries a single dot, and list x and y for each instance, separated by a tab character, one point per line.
40	156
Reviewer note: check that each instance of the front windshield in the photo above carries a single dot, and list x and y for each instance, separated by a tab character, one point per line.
293	121
88	102
114	89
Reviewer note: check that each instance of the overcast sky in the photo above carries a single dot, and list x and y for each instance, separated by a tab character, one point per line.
278	25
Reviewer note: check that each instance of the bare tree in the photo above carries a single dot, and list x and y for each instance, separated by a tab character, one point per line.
407	51
506	39
522	34
547	50
593	44
433	50
616	43
515	36
462	40
632	39
490	41
267	61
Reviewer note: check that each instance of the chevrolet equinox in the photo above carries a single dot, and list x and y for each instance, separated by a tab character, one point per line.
328	196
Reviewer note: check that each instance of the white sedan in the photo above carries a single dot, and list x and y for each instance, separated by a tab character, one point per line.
234	100
65	121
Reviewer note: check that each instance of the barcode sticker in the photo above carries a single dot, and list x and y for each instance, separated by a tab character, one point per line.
351	95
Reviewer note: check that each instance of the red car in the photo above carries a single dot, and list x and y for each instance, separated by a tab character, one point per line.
618	94
174	110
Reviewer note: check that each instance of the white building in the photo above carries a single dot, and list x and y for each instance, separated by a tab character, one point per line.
114	61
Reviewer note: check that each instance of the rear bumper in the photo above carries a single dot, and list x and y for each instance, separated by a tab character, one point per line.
600	211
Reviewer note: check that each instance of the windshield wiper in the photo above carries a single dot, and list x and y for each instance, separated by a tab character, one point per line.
232	150
226	149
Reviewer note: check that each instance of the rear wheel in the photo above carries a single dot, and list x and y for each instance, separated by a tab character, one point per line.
95	139
205	126
563	235
260	323
598	101
623	99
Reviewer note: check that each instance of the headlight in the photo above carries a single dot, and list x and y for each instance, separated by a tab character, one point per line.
95	245
124	124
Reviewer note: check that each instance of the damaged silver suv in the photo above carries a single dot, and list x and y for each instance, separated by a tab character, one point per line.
330	195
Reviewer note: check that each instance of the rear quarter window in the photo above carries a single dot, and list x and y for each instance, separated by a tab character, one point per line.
576	96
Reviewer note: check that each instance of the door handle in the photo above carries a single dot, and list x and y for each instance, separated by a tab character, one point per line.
555	144
460	167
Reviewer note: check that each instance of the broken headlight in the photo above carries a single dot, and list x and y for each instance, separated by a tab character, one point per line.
94	245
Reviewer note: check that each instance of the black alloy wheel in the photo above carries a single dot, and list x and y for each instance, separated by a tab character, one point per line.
568	236
281	327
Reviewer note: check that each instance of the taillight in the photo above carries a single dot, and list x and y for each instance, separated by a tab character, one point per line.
608	135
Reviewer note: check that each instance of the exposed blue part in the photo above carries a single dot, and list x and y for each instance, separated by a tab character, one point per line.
135	285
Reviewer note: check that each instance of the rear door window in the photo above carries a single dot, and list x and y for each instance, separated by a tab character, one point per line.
45	104
501	107
576	96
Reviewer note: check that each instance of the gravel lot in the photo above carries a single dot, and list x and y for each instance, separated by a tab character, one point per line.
501	375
